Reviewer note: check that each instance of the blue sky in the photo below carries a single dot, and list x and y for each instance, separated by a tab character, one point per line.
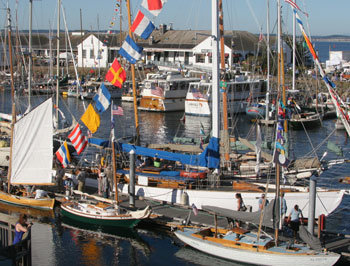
326	17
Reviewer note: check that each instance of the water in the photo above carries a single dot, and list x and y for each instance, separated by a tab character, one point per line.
324	47
58	241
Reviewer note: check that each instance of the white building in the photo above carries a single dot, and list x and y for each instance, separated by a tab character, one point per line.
92	52
337	59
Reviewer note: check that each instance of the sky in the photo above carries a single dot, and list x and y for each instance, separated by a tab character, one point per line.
326	17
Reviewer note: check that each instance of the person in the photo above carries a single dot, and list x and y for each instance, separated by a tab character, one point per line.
139	163
283	209
68	184
240	206
81	179
104	185
59	177
21	227
99	179
261	202
294	218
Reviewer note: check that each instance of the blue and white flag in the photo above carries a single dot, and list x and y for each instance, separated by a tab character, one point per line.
130	50
142	26
102	99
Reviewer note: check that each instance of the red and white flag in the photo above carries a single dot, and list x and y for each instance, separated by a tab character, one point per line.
153	6
78	140
117	110
295	6
158	91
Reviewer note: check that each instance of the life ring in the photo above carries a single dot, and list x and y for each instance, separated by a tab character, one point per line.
194	174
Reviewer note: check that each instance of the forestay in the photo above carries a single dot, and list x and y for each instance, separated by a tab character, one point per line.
33	147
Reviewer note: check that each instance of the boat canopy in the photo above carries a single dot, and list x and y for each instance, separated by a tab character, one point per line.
269	219
210	157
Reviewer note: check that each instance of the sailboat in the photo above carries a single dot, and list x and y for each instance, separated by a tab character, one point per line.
247	246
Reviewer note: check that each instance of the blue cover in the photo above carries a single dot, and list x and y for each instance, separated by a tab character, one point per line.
99	142
210	157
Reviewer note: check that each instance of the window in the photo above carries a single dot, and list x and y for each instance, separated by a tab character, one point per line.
200	58
91	54
84	53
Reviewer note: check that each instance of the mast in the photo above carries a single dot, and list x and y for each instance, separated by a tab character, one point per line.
133	82
58	57
215	69
225	137
267	101
30	55
81	41
294	55
12	97
50	52
120	25
98	46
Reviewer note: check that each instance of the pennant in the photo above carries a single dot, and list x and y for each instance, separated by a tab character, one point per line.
102	99
279	146
261	37
112	123
142	26
279	136
78	140
153	6
117	110
281	159
116	74
63	155
130	50
295	6
279	126
91	119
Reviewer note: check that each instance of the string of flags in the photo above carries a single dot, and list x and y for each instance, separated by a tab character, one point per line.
116	75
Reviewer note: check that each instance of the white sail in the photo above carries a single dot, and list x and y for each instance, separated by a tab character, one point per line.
32	147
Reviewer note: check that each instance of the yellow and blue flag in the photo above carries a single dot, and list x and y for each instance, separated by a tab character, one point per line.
63	155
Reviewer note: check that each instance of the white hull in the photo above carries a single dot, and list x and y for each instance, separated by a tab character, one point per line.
326	201
253	257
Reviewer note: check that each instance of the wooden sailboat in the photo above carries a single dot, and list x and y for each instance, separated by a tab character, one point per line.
31	149
246	246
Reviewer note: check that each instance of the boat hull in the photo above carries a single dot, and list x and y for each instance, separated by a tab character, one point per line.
98	219
251	256
326	202
45	204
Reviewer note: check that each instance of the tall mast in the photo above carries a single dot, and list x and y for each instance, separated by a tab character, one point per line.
81	41
30	55
120	25
50	52
215	69
224	136
58	57
12	96
294	55
268	60
133	81
98	46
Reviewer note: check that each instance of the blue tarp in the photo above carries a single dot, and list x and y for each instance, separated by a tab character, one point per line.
210	157
99	142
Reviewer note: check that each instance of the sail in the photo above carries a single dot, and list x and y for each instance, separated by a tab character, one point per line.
269	219
32	147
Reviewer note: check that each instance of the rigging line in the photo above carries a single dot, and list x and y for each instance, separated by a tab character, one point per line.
320	145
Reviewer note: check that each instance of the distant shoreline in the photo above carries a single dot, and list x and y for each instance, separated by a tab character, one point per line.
331	40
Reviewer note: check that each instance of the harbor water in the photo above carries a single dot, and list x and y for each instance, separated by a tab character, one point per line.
57	241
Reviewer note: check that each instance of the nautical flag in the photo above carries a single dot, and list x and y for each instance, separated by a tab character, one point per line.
201	131
279	146
116	74
130	50
158	91
112	123
142	26
63	155
102	99
201	144
78	140
91	119
307	40
261	37
153	6
279	126
280	159
194	209
117	110
295	6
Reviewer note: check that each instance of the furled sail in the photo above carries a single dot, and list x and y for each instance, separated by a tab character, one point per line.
32	147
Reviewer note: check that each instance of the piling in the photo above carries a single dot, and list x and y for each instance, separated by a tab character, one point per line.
312	201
